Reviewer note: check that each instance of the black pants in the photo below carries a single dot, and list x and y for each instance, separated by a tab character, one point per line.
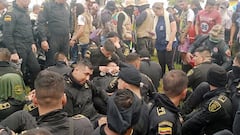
57	43
30	66
166	58
145	43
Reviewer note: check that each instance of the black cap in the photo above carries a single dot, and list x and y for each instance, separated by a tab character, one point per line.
217	76
130	75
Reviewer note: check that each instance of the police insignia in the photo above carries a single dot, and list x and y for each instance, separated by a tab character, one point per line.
214	106
78	116
164	130
161	111
190	72
18	89
7	18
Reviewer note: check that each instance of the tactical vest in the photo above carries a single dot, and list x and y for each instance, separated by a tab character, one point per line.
84	38
147	26
127	27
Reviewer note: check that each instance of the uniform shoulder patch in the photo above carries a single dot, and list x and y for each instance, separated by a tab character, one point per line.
161	111
165	128
78	116
214	106
222	98
190	72
7	18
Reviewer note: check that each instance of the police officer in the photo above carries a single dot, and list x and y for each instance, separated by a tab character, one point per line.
80	93
101	56
5	66
50	98
202	62
18	38
164	116
215	113
3	4
214	41
55	15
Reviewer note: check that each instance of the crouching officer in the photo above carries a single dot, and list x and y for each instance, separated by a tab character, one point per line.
13	92
165	118
215	114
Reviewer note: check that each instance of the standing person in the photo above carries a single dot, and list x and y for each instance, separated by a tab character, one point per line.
207	18
82	31
165	117
54	28
18	38
145	32
235	33
165	28
186	22
124	23
215	112
3	5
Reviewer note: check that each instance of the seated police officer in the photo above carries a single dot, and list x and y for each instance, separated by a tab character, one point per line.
49	97
215	112
165	118
80	92
13	92
220	52
123	112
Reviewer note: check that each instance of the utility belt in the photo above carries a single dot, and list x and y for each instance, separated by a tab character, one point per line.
6	104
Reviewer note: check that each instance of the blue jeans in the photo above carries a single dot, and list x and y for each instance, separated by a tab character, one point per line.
78	50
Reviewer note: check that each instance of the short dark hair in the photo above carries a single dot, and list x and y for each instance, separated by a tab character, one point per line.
49	88
79	9
174	82
5	54
109	46
60	56
84	63
204	51
131	57
123	98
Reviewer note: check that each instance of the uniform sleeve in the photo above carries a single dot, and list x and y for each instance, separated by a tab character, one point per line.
19	121
226	59
236	124
69	105
193	76
207	114
83	126
9	23
42	22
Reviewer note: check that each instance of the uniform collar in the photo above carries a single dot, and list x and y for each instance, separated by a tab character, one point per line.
4	64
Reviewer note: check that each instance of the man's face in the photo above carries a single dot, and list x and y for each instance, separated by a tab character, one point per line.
158	10
106	53
82	74
25	3
197	58
183	5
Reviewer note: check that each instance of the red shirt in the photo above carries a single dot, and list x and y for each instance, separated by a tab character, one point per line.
206	20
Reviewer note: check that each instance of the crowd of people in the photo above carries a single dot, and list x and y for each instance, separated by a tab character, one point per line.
78	69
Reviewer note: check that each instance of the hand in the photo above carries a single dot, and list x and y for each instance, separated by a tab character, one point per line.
34	48
14	58
182	40
188	57
228	53
103	69
169	47
71	43
102	121
45	46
